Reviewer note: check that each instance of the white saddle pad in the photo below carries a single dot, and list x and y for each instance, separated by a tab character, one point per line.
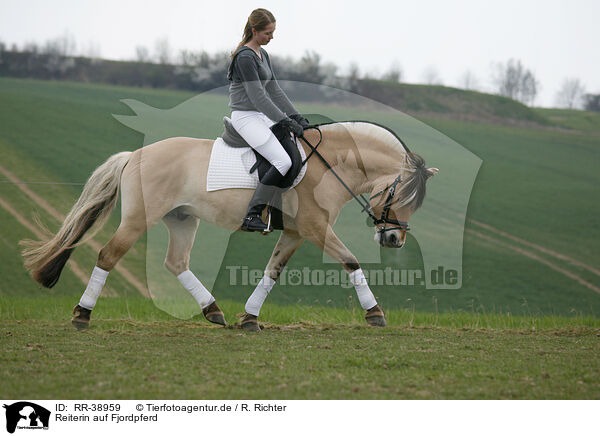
229	167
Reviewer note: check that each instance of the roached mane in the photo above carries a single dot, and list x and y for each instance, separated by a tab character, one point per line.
414	171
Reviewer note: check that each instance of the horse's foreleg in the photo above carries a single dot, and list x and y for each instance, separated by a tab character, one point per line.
331	244
182	231
288	243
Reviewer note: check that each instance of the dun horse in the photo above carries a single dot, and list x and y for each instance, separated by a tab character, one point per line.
167	181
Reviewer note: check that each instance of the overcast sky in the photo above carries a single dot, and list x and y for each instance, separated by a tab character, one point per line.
555	39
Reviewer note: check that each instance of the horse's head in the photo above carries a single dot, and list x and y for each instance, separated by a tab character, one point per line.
393	201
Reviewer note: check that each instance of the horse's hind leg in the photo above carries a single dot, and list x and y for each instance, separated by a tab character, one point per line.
288	243
128	232
182	230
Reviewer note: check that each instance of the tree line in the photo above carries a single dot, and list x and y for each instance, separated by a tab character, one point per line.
202	71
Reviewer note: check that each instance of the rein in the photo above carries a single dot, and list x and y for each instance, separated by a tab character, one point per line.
364	203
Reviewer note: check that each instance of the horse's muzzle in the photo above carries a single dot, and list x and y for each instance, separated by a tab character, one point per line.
389	239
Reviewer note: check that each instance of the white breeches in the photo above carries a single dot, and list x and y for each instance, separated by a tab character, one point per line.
254	127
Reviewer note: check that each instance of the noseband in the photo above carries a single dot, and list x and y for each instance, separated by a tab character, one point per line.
365	204
385	213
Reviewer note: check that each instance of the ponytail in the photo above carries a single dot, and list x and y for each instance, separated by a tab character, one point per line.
245	39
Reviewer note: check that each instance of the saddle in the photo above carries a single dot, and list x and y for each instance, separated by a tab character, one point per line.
262	165
234	139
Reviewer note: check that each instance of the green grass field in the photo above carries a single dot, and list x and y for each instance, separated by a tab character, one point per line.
134	351
523	325
536	185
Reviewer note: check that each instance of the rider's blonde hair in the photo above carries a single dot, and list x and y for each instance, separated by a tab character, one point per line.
258	20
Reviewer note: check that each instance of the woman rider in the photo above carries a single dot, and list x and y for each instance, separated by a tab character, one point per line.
259	104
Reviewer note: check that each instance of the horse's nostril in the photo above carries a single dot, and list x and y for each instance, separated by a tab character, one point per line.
393	239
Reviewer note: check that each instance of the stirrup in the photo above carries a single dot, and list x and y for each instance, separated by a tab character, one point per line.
269	229
253	223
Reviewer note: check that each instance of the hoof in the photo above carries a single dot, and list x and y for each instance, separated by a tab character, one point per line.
81	320
375	317
250	323
213	314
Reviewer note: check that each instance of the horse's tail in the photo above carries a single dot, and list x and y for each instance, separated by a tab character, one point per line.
45	259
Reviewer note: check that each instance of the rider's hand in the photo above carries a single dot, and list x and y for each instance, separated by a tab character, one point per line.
292	126
300	120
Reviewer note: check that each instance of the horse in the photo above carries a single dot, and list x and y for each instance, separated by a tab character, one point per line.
166	181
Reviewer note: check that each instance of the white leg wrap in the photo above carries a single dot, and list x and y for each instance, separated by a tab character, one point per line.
94	287
365	296
259	295
197	289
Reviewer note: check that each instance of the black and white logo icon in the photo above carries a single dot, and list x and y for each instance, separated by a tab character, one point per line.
26	415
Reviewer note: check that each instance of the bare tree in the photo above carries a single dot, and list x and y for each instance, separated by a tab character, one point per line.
570	94
515	81
353	77
60	52
394	74
354	71
31	47
92	50
63	45
329	71
372	73
142	54
187	58
162	51
468	80
310	67
508	78
330	77
431	76
592	102
529	88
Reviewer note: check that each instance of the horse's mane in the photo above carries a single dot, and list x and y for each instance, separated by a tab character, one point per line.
413	187
387	135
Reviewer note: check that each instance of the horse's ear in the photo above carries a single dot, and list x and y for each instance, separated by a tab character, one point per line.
432	172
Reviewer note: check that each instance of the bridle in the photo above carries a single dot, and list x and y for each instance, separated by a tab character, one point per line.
364	203
385	212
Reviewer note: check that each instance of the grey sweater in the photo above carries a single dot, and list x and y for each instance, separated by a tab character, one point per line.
254	86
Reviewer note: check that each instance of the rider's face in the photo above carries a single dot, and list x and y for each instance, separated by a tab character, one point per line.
264	36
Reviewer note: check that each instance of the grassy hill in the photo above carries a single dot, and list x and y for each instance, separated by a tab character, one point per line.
582	121
454	103
530	244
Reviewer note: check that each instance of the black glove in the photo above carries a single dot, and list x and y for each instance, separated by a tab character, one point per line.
300	120
289	125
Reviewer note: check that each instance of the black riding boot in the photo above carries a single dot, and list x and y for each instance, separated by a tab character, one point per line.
266	193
